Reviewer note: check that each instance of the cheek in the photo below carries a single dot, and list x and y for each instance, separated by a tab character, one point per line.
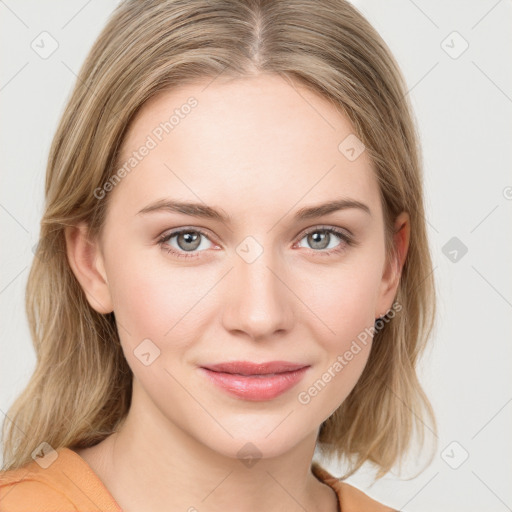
342	297
344	303
157	301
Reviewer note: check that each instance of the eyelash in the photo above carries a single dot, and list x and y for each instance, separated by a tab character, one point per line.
348	240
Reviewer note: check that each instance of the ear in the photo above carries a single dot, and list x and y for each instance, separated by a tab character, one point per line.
393	268
86	262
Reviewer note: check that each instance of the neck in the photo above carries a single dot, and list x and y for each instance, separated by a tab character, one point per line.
180	473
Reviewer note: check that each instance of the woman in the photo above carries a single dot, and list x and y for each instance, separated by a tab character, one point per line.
274	138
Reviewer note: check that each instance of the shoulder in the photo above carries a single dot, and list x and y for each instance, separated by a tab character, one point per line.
63	482
21	493
351	498
358	500
23	489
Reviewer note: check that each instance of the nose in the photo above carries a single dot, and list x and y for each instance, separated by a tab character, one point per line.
258	300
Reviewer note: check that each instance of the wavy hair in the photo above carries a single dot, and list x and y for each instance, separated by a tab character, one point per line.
80	390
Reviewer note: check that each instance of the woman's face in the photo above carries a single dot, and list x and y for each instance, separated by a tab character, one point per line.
266	285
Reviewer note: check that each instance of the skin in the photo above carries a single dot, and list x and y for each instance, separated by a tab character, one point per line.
258	149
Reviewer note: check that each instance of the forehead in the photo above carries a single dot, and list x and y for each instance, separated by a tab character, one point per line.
242	142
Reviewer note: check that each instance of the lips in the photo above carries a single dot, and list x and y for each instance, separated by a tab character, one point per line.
249	368
255	381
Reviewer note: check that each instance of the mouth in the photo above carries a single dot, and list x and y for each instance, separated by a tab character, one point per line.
254	369
255	381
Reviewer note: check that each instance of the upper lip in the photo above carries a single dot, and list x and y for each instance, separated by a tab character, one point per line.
249	368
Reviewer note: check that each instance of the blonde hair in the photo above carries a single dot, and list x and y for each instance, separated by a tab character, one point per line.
80	391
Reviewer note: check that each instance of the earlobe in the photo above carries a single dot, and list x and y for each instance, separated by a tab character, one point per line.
393	270
86	262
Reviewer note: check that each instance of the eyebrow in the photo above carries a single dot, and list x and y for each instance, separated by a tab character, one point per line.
203	211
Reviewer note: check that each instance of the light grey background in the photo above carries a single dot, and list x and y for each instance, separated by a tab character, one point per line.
463	106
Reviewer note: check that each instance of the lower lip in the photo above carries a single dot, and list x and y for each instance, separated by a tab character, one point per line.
257	388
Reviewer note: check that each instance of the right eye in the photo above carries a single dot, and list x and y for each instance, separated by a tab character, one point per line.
187	241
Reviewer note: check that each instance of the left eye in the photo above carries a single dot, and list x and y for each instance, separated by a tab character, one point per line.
320	238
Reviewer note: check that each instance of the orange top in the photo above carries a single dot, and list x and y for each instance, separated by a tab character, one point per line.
69	484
